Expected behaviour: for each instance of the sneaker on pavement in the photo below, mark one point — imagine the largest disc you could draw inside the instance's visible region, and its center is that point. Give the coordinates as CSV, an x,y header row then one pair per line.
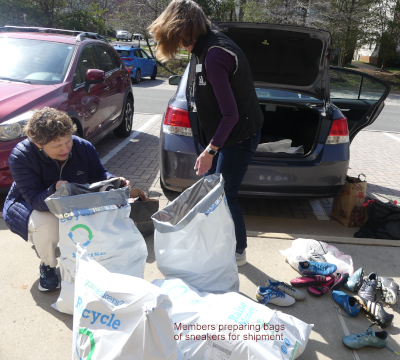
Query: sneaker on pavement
x,y
369,338
374,311
390,290
272,295
354,282
339,279
48,278
287,289
314,268
309,280
368,287
347,302
316,257
241,258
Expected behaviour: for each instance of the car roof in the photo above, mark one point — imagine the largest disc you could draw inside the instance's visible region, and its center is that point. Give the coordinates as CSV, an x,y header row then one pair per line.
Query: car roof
x,y
61,38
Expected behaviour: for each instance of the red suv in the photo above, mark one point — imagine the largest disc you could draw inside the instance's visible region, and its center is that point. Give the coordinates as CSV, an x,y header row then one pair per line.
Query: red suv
x,y
80,74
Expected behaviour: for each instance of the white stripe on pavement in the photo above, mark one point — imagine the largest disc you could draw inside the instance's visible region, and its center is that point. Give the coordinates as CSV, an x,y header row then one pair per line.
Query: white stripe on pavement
x,y
121,145
392,136
318,209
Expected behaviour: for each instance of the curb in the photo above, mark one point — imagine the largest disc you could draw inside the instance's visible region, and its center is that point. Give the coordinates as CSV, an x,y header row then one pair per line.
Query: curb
x,y
327,239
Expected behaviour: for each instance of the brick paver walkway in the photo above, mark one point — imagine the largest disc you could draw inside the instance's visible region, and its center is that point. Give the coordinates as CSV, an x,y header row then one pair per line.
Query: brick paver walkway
x,y
373,153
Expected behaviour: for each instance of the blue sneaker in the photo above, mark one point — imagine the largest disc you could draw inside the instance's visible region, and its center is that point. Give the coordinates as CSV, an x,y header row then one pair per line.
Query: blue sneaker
x,y
354,282
349,303
273,295
48,278
314,268
369,338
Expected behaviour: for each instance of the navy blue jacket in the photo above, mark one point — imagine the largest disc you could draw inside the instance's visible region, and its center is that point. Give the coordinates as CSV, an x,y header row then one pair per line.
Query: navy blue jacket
x,y
35,176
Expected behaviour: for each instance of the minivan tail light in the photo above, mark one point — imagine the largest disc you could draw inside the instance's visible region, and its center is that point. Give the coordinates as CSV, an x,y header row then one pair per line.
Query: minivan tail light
x,y
176,121
339,133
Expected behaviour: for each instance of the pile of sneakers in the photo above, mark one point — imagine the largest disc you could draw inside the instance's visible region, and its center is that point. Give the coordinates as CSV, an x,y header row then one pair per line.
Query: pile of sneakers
x,y
278,293
366,288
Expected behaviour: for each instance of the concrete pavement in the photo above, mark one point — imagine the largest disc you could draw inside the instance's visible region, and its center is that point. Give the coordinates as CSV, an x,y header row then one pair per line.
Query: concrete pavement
x,y
31,329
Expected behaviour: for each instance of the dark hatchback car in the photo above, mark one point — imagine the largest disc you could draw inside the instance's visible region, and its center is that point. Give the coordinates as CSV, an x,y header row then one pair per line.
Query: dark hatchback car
x,y
80,74
318,107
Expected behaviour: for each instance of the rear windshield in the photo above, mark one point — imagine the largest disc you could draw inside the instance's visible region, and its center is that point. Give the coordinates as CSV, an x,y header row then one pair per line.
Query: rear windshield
x,y
281,95
34,61
124,53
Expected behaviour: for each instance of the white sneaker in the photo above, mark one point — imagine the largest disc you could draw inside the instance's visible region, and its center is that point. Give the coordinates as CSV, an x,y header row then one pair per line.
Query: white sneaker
x,y
287,289
241,258
316,257
272,295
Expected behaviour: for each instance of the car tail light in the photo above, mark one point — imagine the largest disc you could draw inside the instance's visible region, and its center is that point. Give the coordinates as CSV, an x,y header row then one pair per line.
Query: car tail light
x,y
127,59
176,121
339,133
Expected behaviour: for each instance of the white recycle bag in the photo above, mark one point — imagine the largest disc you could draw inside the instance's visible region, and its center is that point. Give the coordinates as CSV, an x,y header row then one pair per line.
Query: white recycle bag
x,y
231,326
119,317
302,249
194,238
100,222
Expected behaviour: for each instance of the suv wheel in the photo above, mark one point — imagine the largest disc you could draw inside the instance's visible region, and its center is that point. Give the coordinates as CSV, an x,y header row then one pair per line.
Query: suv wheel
x,y
125,128
138,76
153,77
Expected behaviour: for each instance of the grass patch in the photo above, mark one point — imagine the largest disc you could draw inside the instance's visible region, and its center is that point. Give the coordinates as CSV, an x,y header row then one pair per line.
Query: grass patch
x,y
350,66
173,67
391,77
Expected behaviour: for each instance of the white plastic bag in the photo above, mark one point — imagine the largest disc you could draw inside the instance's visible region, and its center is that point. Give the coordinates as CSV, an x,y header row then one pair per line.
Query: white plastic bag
x,y
106,231
194,238
231,326
119,317
302,248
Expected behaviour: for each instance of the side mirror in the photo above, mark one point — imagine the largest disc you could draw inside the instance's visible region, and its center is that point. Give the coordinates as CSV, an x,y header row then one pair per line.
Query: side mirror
x,y
174,79
94,76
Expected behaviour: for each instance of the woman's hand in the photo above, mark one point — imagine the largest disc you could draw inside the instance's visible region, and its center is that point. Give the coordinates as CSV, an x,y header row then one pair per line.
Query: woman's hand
x,y
203,163
58,184
124,182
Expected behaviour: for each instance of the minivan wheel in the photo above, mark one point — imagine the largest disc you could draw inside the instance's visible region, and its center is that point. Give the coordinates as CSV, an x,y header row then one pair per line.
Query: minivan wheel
x,y
125,128
138,76
153,77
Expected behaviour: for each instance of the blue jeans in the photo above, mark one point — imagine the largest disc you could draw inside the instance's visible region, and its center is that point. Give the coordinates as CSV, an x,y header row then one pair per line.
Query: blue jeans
x,y
232,163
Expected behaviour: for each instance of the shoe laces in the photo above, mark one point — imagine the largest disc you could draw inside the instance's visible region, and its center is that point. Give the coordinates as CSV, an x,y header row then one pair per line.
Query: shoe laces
x,y
274,291
368,333
287,286
366,283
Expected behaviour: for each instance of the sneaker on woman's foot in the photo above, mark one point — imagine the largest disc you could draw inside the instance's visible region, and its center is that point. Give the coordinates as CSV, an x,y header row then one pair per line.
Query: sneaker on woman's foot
x,y
48,278
272,295
241,258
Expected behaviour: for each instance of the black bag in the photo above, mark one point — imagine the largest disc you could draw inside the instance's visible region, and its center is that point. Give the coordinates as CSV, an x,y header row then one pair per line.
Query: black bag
x,y
141,212
383,221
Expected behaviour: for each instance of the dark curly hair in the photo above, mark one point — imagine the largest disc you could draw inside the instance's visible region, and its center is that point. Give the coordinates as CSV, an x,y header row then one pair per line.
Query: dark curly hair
x,y
49,124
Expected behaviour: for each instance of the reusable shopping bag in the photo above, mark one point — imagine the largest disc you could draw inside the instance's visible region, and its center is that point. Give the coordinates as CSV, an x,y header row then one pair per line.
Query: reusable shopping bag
x,y
100,222
347,206
231,326
383,221
194,238
303,249
119,316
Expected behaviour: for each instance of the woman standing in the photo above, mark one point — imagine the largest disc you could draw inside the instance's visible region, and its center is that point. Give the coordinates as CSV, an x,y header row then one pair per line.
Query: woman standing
x,y
50,156
225,99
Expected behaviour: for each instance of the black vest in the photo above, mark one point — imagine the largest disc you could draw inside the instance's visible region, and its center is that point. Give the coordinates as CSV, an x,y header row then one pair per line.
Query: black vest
x,y
209,114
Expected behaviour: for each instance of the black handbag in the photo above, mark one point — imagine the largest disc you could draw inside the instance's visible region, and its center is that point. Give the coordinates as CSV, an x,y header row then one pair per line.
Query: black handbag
x,y
383,221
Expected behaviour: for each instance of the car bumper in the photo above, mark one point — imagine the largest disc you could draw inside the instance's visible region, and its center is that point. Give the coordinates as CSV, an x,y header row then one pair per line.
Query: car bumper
x,y
322,176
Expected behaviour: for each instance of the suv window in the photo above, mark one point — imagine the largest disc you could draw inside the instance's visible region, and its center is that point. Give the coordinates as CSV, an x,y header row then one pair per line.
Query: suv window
x,y
88,60
138,53
108,61
144,55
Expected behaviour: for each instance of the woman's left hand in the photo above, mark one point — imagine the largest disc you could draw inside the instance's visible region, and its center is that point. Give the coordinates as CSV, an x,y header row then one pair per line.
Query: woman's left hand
x,y
123,180
203,163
